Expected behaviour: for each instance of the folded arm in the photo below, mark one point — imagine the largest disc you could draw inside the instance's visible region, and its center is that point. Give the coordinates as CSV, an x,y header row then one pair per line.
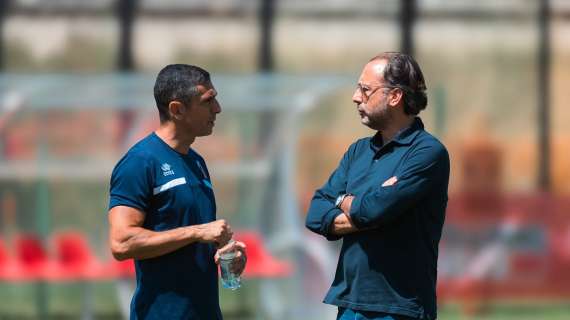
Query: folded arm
x,y
425,169
324,217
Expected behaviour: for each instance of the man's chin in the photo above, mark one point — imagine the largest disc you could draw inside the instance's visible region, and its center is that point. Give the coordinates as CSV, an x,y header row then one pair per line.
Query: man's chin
x,y
369,124
206,133
366,122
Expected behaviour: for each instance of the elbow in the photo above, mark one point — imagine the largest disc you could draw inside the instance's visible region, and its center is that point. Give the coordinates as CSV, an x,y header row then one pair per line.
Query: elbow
x,y
120,257
307,223
312,224
311,228
120,251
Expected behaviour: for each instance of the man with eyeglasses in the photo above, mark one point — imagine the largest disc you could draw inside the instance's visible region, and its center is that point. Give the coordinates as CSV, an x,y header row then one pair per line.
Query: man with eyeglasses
x,y
386,200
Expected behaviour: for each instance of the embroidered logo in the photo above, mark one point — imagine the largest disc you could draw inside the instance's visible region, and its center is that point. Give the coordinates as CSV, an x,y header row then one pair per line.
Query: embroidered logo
x,y
166,169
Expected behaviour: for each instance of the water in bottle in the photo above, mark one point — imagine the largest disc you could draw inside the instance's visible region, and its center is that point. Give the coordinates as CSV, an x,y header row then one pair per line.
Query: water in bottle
x,y
230,280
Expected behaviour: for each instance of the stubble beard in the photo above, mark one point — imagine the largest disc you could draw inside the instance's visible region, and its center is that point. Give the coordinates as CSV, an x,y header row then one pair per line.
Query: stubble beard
x,y
379,120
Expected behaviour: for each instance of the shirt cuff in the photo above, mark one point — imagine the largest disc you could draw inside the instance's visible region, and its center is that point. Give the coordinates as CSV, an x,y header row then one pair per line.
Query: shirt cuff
x,y
328,222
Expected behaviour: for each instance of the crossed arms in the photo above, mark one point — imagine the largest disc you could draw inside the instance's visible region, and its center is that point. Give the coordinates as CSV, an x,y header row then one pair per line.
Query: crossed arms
x,y
426,169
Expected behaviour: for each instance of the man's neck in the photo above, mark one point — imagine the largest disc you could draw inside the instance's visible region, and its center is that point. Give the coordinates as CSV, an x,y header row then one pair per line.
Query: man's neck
x,y
174,137
395,127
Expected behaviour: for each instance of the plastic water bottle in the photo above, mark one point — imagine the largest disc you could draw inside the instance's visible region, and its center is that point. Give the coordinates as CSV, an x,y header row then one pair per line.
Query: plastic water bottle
x,y
230,280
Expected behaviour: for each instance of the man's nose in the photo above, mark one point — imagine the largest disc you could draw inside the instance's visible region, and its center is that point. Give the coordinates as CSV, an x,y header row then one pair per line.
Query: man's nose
x,y
357,97
217,107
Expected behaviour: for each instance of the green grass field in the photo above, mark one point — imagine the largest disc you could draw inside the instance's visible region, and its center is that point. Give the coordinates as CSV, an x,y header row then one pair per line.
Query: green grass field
x,y
65,301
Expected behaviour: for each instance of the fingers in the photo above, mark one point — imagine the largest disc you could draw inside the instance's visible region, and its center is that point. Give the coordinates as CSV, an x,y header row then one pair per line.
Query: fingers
x,y
240,248
228,247
239,265
241,258
237,246
223,240
227,232
346,204
232,246
240,245
223,232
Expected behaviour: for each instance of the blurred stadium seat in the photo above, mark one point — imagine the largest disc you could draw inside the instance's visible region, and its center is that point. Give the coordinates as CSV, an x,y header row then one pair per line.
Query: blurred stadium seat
x,y
260,263
78,261
72,260
10,268
34,259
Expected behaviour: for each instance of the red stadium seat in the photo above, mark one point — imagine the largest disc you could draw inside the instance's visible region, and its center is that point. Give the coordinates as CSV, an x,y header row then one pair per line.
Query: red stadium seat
x,y
74,260
77,260
260,263
34,260
123,269
10,269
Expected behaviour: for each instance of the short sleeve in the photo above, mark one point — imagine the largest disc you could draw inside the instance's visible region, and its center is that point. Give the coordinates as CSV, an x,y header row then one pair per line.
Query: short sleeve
x,y
131,183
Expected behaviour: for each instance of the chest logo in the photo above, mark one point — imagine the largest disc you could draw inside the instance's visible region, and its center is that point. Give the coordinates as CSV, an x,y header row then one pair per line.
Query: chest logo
x,y
166,169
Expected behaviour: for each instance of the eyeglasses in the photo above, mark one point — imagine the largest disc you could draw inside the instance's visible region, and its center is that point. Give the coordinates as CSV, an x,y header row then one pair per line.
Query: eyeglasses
x,y
367,91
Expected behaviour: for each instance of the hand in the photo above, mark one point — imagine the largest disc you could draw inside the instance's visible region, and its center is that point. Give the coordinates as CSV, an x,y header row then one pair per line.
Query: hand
x,y
218,232
241,258
346,204
343,225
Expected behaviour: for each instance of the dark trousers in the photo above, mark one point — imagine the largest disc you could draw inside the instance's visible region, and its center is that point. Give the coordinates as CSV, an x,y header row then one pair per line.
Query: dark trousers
x,y
350,314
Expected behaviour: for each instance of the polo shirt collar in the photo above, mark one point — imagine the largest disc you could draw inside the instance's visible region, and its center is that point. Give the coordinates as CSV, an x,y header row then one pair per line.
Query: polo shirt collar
x,y
404,137
407,136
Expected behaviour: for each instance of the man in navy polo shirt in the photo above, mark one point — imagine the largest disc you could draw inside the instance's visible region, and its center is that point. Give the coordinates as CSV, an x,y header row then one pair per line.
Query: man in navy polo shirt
x,y
162,211
386,200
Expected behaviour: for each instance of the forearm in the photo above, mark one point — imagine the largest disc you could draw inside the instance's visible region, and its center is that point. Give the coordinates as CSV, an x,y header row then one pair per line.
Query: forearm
x,y
321,215
425,174
140,243
322,210
381,206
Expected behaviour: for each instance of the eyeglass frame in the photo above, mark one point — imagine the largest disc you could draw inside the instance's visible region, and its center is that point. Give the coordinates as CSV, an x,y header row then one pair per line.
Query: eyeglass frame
x,y
373,89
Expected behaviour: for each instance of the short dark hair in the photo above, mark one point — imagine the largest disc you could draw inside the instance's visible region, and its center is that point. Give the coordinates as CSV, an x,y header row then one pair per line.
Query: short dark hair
x,y
403,72
177,82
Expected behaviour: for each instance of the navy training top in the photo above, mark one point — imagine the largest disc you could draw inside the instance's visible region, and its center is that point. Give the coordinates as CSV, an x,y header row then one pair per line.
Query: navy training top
x,y
391,266
173,190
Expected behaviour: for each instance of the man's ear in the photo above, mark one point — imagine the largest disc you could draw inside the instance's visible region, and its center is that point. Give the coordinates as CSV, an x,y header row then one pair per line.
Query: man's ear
x,y
395,97
176,109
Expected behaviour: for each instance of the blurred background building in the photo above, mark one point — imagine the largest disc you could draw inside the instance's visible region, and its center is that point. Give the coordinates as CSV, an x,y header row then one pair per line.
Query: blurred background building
x,y
76,80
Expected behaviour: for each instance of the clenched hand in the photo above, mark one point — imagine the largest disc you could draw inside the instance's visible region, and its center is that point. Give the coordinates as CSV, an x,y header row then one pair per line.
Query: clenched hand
x,y
218,232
